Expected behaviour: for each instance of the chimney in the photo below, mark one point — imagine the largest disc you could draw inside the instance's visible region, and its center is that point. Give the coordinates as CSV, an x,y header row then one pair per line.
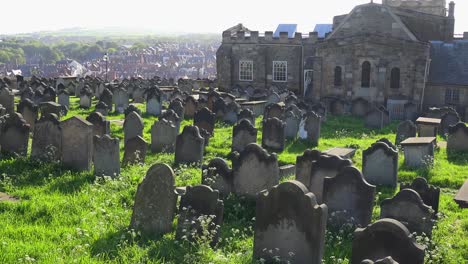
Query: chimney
x,y
451,12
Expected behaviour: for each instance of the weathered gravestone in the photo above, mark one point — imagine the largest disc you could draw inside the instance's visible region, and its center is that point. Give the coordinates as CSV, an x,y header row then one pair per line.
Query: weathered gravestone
x,y
230,116
273,110
133,126
246,114
359,107
7,99
191,106
121,100
337,107
243,134
101,126
29,111
380,165
273,137
77,143
386,237
155,202
292,123
14,135
273,98
293,108
178,107
321,110
309,127
349,198
86,98
448,119
163,136
205,119
219,108
52,108
289,225
47,139
107,97
106,156
457,137
377,118
218,176
134,151
200,214
429,194
132,108
254,170
408,208
312,168
189,146
138,95
170,115
153,102
102,108
405,130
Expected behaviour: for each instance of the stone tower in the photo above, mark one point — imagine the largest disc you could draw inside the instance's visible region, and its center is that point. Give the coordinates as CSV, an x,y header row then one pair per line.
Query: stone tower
x,y
435,7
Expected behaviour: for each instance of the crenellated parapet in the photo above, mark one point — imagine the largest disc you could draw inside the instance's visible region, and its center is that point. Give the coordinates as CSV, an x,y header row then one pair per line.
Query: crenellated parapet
x,y
254,37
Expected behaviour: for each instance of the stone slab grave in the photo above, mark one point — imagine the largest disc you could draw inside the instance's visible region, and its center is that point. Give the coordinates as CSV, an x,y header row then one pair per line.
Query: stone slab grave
x,y
254,170
350,199
458,137
418,151
383,238
155,202
345,153
462,196
200,214
429,194
427,127
289,219
218,176
380,164
257,107
408,208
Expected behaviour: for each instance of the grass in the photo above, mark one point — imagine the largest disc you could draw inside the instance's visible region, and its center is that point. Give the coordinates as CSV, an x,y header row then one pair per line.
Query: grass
x,y
69,217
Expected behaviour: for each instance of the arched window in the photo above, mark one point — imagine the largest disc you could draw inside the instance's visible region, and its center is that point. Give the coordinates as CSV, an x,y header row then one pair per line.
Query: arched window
x,y
395,78
338,81
366,71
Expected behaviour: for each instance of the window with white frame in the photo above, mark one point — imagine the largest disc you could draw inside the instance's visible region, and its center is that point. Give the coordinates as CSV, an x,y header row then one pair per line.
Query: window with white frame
x,y
246,70
280,71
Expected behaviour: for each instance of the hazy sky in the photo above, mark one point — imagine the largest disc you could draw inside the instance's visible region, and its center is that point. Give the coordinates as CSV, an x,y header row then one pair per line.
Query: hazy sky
x,y
181,15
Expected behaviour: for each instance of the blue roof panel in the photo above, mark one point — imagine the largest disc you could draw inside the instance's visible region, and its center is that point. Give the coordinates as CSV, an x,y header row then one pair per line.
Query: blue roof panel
x,y
290,28
323,29
449,62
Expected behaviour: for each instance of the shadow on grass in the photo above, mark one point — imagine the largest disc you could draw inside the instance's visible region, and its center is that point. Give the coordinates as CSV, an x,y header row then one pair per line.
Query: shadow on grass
x,y
26,172
72,183
457,157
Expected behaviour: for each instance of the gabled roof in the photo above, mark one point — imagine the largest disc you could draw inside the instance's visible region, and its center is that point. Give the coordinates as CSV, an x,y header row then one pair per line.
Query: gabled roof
x,y
290,28
449,62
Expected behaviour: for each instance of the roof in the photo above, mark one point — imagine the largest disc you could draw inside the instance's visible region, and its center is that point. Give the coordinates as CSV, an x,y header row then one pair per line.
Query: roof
x,y
290,28
449,62
323,29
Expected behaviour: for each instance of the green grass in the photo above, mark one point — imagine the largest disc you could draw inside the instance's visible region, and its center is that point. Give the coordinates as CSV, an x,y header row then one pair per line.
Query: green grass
x,y
67,217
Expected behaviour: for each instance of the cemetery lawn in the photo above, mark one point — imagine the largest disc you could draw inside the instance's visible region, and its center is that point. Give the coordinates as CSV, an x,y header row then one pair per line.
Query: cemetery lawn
x,y
67,217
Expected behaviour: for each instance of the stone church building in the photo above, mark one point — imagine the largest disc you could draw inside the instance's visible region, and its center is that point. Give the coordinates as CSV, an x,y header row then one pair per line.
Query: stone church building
x,y
398,53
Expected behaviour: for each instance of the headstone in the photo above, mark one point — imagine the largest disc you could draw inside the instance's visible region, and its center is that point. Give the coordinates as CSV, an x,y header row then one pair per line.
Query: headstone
x,y
337,107
289,225
52,108
138,95
47,139
321,110
77,143
200,214
121,100
189,146
309,128
106,156
243,134
232,109
377,118
155,202
448,119
134,151
359,107
153,102
205,119
461,198
14,135
246,114
219,108
386,237
218,176
380,165
273,110
178,108
29,111
102,108
405,130
457,138
254,170
163,136
86,98
132,108
107,97
133,126
349,198
273,137
191,106
170,115
100,125
7,99
429,194
292,123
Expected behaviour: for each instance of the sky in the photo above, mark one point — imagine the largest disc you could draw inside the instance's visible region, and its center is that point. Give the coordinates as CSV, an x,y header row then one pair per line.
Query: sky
x,y
181,16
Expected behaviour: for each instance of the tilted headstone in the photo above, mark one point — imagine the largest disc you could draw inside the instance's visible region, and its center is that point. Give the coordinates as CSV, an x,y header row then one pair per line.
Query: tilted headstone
x,y
101,126
246,114
380,165
349,197
273,137
243,134
29,111
254,170
323,166
386,237
429,194
457,137
47,139
134,151
218,176
408,208
106,156
155,202
292,123
289,225
133,126
200,214
77,143
14,135
163,136
205,119
309,127
189,146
